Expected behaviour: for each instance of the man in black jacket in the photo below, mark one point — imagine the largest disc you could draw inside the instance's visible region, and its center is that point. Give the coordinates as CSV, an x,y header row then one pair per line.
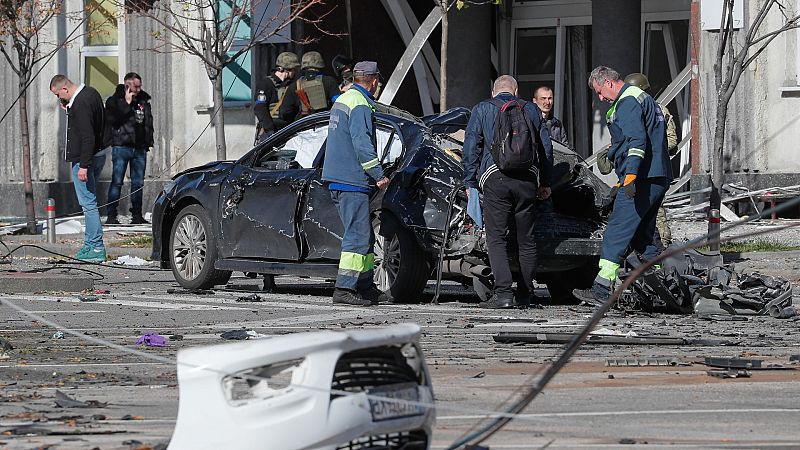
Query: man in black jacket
x,y
84,108
129,119
271,94
509,199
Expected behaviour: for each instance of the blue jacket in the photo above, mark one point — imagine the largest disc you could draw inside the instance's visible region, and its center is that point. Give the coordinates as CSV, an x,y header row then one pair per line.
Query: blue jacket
x,y
350,155
478,138
638,136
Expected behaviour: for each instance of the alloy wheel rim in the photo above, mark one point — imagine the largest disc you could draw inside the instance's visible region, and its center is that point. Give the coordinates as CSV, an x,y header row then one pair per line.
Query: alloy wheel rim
x,y
387,261
189,247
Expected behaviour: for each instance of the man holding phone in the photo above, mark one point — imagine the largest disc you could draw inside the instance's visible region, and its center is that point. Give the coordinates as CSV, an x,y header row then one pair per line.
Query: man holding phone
x,y
129,132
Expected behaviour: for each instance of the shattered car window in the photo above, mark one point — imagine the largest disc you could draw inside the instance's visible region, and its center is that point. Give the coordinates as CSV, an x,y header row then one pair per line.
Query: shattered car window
x,y
305,145
382,136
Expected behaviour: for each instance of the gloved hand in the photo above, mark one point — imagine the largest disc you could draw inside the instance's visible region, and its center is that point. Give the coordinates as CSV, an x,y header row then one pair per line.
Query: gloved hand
x,y
629,185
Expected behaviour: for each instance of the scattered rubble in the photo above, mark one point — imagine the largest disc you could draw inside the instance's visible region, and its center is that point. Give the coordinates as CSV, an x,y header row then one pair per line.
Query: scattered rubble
x,y
65,401
152,340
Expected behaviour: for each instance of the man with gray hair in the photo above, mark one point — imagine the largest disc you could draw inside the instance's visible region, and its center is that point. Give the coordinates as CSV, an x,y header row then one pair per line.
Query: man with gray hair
x,y
639,155
510,196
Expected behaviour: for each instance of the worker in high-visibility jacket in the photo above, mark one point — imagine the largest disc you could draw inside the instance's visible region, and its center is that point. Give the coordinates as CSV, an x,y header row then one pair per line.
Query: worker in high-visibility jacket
x,y
352,170
639,153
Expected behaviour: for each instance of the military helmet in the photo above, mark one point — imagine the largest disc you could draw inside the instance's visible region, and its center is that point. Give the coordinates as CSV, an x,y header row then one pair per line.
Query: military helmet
x,y
287,60
313,60
639,80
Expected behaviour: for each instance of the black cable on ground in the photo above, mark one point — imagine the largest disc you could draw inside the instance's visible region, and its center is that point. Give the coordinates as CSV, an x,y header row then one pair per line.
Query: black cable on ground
x,y
497,423
73,260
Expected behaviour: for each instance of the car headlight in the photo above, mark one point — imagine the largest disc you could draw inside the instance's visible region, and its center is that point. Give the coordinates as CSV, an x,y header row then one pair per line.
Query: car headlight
x,y
262,382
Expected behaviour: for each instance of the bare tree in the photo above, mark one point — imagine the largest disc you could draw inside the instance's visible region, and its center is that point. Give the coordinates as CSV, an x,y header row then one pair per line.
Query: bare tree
x,y
208,30
23,29
732,58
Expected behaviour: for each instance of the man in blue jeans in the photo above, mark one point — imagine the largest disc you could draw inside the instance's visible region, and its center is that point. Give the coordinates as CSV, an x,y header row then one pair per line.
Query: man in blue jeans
x,y
351,168
129,119
84,108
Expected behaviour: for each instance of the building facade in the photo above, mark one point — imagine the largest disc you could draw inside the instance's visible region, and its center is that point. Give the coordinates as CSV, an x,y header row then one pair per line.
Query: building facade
x,y
541,42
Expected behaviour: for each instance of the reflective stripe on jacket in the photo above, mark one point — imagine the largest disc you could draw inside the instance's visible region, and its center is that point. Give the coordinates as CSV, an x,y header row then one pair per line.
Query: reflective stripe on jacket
x,y
350,152
638,135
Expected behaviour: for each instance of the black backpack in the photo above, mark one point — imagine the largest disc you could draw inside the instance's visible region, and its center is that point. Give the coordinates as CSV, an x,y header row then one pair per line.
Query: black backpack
x,y
514,147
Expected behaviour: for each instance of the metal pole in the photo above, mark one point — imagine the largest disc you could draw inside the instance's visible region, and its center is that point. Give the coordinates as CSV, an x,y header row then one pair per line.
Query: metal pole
x,y
713,229
51,221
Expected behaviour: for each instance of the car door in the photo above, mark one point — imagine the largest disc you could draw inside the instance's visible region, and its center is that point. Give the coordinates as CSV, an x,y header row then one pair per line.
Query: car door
x,y
321,226
260,200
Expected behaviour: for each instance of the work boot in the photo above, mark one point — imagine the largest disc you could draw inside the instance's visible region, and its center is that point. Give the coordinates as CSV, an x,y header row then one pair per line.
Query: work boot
x,y
112,220
375,295
348,297
498,301
594,296
138,220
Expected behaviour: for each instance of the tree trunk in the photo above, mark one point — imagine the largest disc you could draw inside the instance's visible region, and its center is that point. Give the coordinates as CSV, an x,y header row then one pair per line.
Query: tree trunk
x,y
717,172
219,118
443,65
27,184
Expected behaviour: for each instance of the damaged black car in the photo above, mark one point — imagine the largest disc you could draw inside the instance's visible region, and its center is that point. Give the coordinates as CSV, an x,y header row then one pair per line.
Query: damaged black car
x,y
269,213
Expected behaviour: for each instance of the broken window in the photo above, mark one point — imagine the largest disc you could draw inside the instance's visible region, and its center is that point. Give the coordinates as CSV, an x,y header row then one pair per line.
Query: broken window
x,y
298,152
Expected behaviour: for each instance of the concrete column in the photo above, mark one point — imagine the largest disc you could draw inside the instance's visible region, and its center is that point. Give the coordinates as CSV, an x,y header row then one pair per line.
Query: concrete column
x,y
469,65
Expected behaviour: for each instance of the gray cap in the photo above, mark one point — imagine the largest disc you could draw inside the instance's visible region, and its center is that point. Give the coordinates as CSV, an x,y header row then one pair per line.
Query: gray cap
x,y
366,68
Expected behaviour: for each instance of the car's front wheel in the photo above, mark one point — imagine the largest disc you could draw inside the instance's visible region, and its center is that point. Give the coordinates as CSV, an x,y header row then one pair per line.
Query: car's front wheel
x,y
401,268
193,250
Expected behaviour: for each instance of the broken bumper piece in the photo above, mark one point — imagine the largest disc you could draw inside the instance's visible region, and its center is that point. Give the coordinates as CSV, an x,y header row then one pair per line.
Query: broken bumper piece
x,y
320,390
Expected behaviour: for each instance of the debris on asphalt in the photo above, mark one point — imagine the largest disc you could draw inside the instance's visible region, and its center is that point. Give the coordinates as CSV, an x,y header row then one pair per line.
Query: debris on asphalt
x,y
58,335
730,373
5,347
785,312
695,282
241,335
175,337
151,340
733,363
563,338
255,298
88,298
128,260
644,362
190,291
65,401
480,374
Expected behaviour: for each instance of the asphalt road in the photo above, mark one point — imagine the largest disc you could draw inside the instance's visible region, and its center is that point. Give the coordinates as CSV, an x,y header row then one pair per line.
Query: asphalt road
x,y
588,405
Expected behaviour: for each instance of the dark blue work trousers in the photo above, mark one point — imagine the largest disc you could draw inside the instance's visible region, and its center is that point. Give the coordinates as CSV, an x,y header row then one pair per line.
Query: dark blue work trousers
x,y
357,260
633,222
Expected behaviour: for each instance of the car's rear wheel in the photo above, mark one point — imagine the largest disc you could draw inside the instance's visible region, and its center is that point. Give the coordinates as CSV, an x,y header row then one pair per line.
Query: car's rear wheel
x,y
401,268
193,250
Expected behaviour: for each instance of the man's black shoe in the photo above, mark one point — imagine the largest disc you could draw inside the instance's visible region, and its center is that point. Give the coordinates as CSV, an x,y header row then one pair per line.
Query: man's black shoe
x,y
498,301
112,220
375,295
137,220
595,296
346,297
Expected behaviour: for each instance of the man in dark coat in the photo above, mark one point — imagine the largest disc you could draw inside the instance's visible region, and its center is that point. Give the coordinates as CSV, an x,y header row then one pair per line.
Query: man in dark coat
x,y
84,108
129,119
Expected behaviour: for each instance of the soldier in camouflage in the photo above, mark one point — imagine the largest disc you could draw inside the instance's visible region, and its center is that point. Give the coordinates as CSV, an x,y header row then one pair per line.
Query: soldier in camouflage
x,y
271,93
312,92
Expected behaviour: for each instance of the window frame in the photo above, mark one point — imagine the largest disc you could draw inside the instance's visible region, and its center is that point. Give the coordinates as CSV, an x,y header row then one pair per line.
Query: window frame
x,y
91,51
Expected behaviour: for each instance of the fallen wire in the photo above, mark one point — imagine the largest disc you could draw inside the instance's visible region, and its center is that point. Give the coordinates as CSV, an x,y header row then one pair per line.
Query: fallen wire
x,y
73,260
501,418
533,391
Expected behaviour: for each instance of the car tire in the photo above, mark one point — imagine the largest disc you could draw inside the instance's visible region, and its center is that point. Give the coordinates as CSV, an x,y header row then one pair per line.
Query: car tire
x,y
404,273
193,250
561,284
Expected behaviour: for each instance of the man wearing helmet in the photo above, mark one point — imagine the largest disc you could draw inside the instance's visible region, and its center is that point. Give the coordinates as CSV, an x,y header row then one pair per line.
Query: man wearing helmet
x,y
312,92
272,94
